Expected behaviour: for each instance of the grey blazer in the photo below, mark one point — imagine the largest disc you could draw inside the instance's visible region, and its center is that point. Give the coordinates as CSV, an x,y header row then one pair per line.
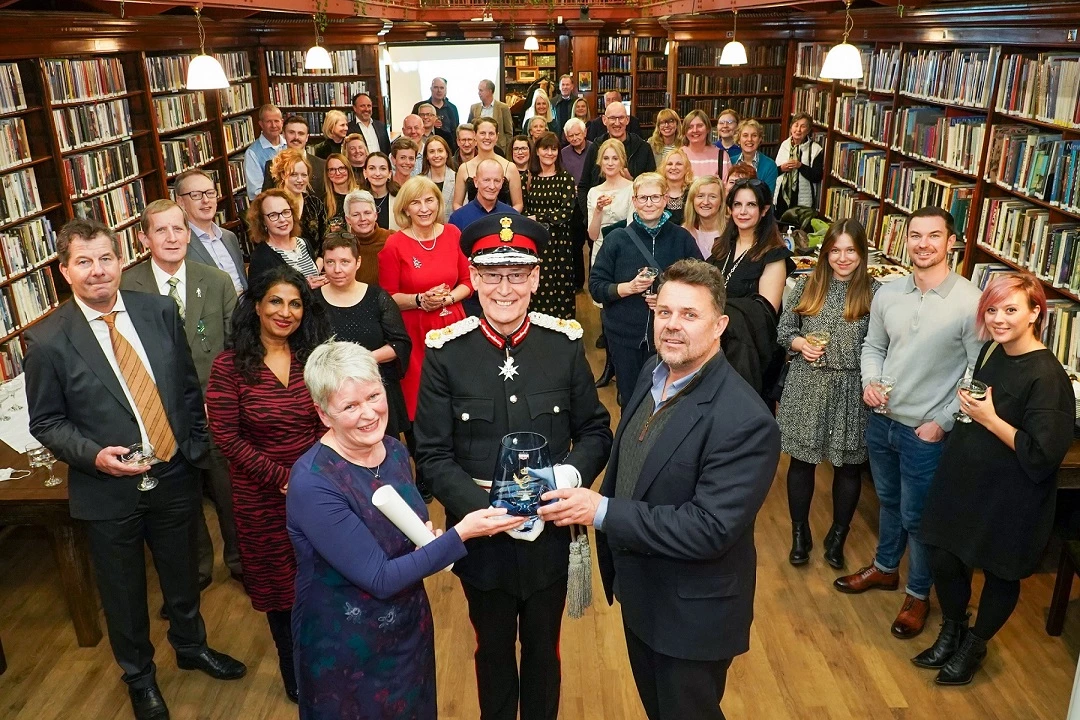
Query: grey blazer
x,y
198,253
209,304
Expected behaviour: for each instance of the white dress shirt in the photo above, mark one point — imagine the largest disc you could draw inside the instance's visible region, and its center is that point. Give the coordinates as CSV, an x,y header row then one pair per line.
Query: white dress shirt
x,y
125,327
161,279
370,136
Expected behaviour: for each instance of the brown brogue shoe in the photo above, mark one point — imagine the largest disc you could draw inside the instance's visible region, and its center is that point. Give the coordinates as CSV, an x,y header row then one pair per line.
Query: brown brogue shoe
x,y
912,617
867,578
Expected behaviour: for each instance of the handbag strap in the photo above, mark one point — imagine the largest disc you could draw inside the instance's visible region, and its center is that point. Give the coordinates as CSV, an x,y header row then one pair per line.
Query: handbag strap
x,y
989,352
634,230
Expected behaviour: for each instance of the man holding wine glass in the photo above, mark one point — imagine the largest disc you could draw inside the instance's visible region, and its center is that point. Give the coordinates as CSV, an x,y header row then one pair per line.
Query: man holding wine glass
x,y
105,372
921,336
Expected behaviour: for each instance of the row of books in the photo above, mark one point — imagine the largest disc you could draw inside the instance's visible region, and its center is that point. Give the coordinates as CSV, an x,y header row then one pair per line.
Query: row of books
x,y
622,83
958,77
236,98
131,248
168,73
614,44
11,359
911,186
79,126
237,179
1026,234
698,84
930,134
862,166
843,202
614,63
893,241
27,299
646,118
316,94
14,145
236,64
1045,87
12,97
813,100
651,82
20,196
239,133
756,55
115,208
748,107
93,78
651,44
91,171
809,57
27,245
1030,161
291,62
881,70
654,63
653,99
866,119
187,151
178,111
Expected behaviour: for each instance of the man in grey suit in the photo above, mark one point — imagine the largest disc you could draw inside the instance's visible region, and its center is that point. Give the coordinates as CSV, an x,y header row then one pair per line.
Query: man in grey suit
x,y
208,243
500,111
206,300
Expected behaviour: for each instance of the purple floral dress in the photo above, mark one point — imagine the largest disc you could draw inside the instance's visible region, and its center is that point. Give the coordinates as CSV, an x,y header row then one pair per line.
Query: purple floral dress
x,y
363,638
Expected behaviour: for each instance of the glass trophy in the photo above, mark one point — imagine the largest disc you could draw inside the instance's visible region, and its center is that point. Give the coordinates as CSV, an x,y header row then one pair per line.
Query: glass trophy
x,y
523,473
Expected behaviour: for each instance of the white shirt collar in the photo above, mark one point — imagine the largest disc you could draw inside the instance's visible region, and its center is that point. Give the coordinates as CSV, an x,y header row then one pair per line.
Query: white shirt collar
x,y
91,314
161,277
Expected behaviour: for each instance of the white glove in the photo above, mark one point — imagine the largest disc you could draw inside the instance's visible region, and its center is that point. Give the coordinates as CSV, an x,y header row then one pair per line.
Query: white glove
x,y
566,476
537,528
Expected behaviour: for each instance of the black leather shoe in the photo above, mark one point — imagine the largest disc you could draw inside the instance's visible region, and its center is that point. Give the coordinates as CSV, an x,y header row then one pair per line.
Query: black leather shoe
x,y
148,704
834,545
964,662
288,677
607,376
947,643
801,543
215,664
601,341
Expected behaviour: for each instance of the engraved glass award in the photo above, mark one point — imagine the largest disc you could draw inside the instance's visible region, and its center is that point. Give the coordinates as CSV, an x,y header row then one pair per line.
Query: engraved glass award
x,y
522,474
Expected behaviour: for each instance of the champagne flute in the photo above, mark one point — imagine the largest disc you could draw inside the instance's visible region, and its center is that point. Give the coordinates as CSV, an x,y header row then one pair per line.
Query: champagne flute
x,y
142,454
650,273
40,456
819,339
884,384
974,388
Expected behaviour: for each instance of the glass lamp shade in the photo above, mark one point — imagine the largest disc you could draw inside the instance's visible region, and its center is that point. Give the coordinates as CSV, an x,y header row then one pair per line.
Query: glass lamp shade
x,y
317,59
523,473
531,43
842,63
734,54
205,73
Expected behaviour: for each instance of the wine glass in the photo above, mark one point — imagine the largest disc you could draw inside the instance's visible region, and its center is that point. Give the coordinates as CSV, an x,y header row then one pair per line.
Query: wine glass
x,y
40,456
974,388
819,339
884,384
142,454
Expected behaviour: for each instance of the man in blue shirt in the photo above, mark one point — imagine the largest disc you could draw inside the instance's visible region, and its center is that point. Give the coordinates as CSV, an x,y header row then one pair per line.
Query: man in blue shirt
x,y
489,181
266,146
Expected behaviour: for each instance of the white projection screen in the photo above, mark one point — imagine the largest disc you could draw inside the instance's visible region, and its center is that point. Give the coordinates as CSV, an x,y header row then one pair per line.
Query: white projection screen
x,y
463,64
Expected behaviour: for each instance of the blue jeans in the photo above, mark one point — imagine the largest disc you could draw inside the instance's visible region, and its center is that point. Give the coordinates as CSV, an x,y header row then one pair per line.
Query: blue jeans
x,y
903,466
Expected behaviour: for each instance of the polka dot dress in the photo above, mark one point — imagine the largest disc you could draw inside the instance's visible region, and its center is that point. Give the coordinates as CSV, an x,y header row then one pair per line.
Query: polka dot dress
x,y
551,200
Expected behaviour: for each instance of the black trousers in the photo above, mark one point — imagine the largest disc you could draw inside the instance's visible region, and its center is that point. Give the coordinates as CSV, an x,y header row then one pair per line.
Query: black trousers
x,y
579,238
164,520
952,581
217,486
628,362
500,619
674,689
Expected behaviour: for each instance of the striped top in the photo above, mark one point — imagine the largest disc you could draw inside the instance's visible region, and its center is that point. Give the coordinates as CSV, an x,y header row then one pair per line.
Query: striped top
x,y
299,258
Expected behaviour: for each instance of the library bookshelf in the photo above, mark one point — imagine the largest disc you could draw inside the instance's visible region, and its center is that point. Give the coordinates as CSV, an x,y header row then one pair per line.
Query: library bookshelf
x,y
615,68
521,67
650,81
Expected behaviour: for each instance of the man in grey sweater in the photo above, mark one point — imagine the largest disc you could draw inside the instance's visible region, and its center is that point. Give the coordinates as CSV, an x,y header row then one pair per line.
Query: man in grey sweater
x,y
922,333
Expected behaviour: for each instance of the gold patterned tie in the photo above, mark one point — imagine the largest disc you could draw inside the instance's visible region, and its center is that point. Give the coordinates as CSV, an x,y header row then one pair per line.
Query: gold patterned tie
x,y
176,296
144,391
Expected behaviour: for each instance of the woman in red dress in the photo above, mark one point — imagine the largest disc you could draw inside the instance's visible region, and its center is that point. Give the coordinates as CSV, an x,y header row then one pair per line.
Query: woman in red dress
x,y
263,419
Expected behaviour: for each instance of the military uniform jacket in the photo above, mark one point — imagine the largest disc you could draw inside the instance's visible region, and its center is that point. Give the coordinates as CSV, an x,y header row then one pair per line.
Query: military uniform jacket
x,y
466,406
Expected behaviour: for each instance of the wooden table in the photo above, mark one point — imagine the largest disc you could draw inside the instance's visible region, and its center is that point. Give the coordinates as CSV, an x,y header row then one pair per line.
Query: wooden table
x,y
1069,474
28,502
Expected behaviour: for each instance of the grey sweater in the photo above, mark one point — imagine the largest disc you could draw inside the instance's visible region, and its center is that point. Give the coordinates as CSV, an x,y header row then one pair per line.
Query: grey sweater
x,y
925,341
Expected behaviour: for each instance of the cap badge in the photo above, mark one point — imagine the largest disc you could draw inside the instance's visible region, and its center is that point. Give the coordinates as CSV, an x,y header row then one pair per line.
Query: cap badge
x,y
506,234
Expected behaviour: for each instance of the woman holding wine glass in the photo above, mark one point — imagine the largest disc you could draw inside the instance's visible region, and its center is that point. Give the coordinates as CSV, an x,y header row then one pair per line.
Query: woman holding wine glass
x,y
991,503
822,416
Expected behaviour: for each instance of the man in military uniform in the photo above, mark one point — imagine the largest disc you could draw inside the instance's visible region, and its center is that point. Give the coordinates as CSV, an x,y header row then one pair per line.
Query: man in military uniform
x,y
509,371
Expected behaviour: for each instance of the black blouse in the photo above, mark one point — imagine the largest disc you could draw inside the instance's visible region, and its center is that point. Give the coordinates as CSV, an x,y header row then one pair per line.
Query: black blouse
x,y
744,274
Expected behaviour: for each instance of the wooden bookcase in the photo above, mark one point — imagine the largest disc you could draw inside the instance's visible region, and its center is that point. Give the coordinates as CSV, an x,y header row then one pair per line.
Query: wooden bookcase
x,y
615,68
650,81
521,67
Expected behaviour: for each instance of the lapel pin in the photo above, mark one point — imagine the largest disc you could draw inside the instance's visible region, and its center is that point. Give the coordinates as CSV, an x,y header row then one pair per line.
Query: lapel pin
x,y
198,292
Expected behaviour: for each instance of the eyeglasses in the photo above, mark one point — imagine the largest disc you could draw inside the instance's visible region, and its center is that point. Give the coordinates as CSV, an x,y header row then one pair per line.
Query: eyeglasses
x,y
726,122
649,199
197,195
494,278
669,121
338,169
616,118
275,216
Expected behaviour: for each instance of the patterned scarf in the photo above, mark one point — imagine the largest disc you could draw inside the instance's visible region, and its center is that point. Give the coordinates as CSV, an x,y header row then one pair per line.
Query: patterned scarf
x,y
653,231
789,184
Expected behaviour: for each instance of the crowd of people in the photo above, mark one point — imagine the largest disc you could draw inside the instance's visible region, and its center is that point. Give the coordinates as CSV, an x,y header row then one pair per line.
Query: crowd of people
x,y
410,302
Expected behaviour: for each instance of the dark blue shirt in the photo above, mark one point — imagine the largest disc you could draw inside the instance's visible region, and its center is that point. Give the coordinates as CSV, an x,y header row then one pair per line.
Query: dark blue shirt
x,y
466,215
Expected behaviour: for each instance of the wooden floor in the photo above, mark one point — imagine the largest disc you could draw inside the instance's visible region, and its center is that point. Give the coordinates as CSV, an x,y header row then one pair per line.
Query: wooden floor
x,y
814,652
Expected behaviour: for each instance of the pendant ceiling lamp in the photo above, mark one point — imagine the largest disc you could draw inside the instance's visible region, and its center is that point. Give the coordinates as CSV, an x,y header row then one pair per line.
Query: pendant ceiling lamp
x,y
317,58
531,43
843,61
204,72
734,53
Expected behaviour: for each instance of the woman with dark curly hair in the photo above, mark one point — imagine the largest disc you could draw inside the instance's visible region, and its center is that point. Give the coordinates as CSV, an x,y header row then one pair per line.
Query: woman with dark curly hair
x,y
263,418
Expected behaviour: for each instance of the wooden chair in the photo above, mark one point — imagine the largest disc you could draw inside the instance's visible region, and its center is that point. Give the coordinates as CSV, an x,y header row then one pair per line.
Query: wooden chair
x,y
1068,566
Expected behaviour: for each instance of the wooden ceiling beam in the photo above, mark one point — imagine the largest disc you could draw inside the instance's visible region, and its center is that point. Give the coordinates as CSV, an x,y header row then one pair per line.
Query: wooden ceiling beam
x,y
130,9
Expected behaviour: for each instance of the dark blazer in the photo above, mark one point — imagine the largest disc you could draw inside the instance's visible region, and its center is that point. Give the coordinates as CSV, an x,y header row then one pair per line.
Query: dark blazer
x,y
198,253
639,159
380,132
318,170
263,258
209,301
681,551
448,113
77,405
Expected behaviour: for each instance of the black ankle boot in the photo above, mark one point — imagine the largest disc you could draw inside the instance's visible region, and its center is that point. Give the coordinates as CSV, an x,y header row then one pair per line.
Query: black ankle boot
x,y
288,677
609,373
948,641
801,543
965,661
834,545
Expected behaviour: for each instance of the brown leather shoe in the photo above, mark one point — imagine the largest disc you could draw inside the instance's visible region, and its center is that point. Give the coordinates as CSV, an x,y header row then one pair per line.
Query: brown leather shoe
x,y
867,578
912,617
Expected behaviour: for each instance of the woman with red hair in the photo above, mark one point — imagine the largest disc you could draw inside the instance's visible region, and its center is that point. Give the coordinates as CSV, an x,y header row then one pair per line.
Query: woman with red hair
x,y
991,504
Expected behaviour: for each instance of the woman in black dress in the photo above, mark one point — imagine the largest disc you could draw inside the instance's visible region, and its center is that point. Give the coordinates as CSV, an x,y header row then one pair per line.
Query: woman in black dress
x,y
991,505
549,199
367,315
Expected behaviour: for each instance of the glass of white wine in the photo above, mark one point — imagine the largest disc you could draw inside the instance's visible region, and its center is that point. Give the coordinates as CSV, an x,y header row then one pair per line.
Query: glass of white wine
x,y
142,454
819,339
884,384
42,457
977,391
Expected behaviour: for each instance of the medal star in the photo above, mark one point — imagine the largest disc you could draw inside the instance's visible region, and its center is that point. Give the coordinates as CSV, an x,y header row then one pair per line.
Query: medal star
x,y
508,370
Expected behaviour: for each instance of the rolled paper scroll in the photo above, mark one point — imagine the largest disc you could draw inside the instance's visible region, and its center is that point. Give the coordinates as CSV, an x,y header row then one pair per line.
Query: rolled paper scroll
x,y
405,519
